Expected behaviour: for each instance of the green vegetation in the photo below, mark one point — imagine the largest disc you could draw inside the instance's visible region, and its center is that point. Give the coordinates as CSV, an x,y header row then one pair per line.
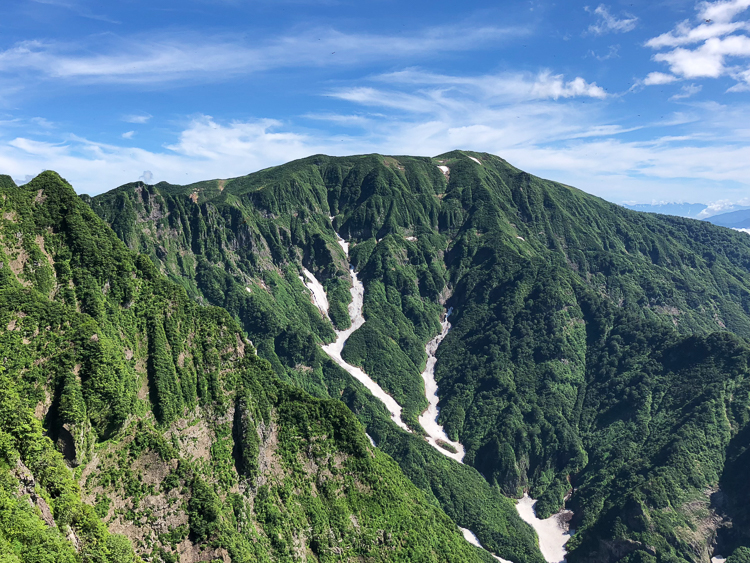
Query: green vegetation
x,y
594,350
163,422
30,467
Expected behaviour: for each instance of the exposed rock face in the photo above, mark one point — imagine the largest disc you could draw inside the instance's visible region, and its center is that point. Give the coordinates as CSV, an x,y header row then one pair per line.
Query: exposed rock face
x,y
27,487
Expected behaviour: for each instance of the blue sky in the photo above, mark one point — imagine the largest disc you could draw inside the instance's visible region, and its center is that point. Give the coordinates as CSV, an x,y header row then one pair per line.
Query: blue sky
x,y
633,101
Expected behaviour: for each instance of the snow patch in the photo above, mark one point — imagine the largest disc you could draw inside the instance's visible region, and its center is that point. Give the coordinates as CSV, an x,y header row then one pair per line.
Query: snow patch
x,y
553,532
475,160
335,348
521,238
318,292
249,290
445,170
428,419
342,243
472,539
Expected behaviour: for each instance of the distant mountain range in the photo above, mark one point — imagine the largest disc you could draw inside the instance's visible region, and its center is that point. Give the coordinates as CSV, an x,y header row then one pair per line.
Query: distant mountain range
x,y
726,217
734,220
690,210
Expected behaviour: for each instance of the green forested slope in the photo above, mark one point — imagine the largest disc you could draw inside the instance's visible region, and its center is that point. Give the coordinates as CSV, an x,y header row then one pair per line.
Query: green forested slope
x,y
125,405
176,232
584,353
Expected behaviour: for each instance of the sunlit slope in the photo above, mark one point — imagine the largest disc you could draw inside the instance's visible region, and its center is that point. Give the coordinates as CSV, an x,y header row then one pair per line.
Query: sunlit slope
x,y
180,437
570,322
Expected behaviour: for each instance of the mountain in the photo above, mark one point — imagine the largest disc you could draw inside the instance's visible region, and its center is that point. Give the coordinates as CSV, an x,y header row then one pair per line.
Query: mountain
x,y
734,219
591,356
137,423
691,210
597,357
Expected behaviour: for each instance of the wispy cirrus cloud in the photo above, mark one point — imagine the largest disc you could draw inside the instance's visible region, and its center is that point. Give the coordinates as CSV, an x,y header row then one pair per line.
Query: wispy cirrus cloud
x,y
608,23
687,91
560,139
78,9
428,114
169,57
507,86
139,118
417,112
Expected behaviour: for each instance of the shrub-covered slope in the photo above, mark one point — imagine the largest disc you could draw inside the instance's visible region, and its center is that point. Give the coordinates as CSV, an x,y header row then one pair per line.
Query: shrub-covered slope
x,y
584,356
130,412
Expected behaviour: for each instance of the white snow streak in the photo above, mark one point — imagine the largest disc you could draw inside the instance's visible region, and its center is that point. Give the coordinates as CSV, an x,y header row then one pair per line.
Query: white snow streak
x,y
428,420
335,348
318,292
472,539
553,531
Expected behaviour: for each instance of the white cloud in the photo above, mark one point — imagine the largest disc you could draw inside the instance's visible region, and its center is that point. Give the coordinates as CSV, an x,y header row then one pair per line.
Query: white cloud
x,y
395,100
421,113
609,23
687,91
506,86
612,53
147,177
205,139
722,206
708,60
548,86
743,81
169,57
710,48
203,149
724,11
654,78
562,142
565,140
139,118
42,122
128,135
39,148
543,123
684,34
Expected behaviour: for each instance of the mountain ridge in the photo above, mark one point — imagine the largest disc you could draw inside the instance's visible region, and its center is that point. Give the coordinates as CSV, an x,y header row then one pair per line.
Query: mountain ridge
x,y
543,279
183,438
598,357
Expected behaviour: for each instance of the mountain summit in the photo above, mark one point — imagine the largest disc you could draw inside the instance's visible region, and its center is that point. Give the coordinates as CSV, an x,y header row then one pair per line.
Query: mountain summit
x,y
179,346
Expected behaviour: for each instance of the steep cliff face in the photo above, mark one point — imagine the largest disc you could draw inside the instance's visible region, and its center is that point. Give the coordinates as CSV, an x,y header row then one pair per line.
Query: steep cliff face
x,y
594,350
130,412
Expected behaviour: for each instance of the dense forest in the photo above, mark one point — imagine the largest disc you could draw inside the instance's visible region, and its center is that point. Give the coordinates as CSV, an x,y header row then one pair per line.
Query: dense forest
x,y
598,360
137,423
